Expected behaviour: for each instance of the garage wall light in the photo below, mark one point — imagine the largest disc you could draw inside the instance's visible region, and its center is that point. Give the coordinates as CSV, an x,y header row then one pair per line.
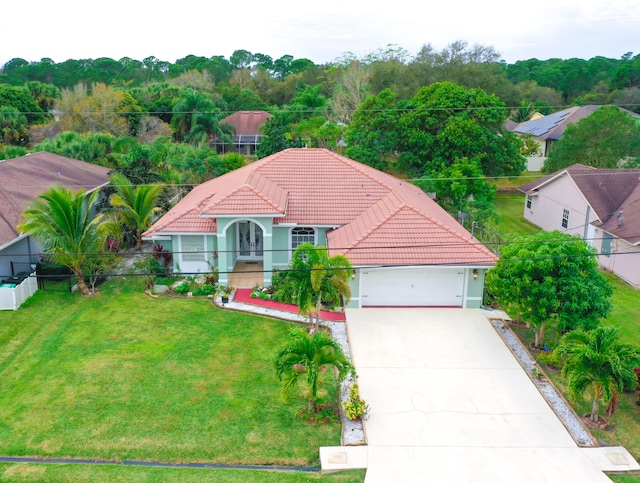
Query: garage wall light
x,y
475,273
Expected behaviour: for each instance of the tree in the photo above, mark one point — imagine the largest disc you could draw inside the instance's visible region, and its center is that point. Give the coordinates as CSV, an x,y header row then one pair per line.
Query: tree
x,y
14,129
597,362
314,278
552,278
195,117
605,139
136,206
440,124
306,358
275,137
63,224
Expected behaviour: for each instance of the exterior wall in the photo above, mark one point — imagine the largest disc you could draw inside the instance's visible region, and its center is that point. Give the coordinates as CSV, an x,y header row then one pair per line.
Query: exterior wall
x,y
535,163
623,260
474,289
18,257
281,254
548,205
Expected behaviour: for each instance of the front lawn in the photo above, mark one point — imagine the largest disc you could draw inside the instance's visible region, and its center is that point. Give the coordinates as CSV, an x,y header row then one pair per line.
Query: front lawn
x,y
121,376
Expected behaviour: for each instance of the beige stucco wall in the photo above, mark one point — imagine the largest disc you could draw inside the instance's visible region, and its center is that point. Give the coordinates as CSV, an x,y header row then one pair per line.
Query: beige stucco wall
x,y
548,205
624,260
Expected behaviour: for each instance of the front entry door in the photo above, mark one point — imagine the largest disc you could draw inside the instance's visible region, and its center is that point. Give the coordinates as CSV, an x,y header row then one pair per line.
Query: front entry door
x,y
249,241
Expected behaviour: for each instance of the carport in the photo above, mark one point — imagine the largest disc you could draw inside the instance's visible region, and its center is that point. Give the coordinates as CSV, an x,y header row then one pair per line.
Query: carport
x,y
450,403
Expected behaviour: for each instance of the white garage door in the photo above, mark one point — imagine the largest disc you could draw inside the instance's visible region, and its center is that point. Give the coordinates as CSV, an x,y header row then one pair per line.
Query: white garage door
x,y
412,287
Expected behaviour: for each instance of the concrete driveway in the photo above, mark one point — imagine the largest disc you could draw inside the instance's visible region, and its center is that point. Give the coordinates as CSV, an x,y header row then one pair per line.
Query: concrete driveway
x,y
450,403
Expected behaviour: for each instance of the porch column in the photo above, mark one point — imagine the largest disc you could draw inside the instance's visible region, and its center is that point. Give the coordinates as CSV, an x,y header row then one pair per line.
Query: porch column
x,y
267,257
224,260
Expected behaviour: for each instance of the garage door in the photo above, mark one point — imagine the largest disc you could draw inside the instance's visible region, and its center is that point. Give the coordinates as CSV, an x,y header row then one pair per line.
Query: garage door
x,y
412,287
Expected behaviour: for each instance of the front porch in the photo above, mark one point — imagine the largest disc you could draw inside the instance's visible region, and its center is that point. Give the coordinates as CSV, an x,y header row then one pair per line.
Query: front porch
x,y
247,274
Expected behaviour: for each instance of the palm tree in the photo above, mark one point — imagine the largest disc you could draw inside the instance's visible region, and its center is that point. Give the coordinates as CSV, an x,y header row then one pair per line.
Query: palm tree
x,y
597,362
315,277
63,223
195,117
136,206
306,358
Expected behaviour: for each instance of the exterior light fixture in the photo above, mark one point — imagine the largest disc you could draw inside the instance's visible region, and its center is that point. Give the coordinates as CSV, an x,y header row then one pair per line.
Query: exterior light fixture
x,y
475,273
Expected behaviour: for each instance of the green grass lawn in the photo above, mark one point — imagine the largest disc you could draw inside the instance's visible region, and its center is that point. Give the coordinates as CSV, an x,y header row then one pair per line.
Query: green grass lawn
x,y
121,376
510,208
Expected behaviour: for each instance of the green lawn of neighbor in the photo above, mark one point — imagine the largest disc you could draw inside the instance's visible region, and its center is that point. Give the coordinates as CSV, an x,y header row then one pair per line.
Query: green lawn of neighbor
x,y
121,376
510,208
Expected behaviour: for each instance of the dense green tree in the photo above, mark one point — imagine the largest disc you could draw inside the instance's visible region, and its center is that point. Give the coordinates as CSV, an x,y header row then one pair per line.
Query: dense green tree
x,y
306,358
606,139
372,137
21,99
195,117
551,278
14,128
597,362
275,137
135,206
63,224
45,95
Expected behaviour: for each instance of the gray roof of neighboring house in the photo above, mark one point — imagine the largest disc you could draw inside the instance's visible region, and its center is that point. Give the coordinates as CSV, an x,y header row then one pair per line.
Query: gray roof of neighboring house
x,y
23,179
553,125
608,191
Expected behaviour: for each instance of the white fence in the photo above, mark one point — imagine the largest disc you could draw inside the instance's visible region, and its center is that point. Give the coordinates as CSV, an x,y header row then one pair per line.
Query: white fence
x,y
13,294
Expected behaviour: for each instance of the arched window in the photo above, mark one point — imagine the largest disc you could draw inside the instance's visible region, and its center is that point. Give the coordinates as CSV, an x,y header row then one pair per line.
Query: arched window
x,y
302,234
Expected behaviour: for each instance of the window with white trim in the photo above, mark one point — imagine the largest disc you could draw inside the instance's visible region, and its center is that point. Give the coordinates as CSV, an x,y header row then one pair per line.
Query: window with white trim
x,y
529,200
192,248
565,218
302,234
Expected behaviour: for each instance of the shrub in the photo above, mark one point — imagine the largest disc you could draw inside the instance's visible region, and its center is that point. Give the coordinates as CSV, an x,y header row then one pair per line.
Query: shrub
x,y
550,359
182,289
204,290
318,414
355,407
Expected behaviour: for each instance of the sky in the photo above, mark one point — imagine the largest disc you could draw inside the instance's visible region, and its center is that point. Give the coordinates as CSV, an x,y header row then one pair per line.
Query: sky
x,y
321,31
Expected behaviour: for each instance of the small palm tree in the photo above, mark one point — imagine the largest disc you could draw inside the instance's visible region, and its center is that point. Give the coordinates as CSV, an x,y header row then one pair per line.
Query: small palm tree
x,y
315,277
597,362
63,224
136,206
306,358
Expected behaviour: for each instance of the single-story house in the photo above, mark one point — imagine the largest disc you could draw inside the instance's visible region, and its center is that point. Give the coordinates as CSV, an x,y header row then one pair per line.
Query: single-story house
x,y
600,205
22,180
546,130
247,133
406,249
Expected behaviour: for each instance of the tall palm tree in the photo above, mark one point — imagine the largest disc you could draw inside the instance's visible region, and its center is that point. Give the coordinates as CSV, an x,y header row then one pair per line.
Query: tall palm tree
x,y
597,362
306,358
195,117
136,206
63,224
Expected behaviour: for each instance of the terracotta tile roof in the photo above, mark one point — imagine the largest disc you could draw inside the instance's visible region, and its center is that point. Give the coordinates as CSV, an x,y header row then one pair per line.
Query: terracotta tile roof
x,y
319,187
246,122
23,179
604,189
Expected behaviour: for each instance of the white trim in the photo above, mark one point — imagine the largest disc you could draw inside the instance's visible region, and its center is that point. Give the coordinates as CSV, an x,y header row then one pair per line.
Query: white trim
x,y
236,215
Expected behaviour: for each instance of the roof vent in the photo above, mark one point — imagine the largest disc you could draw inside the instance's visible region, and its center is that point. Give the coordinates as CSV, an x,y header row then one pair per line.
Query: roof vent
x,y
620,218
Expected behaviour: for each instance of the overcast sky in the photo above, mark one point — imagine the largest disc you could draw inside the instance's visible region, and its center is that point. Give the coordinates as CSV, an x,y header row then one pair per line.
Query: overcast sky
x,y
318,30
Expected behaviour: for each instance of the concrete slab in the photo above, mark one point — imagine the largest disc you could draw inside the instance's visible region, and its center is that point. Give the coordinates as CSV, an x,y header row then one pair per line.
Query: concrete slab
x,y
341,458
449,402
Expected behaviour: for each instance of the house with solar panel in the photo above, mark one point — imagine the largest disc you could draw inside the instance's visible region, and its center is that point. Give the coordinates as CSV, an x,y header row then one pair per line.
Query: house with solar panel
x,y
246,128
406,250
546,130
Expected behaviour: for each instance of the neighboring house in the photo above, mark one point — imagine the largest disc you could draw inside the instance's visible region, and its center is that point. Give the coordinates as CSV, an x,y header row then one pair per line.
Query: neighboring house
x,y
21,181
247,135
548,129
600,205
406,249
